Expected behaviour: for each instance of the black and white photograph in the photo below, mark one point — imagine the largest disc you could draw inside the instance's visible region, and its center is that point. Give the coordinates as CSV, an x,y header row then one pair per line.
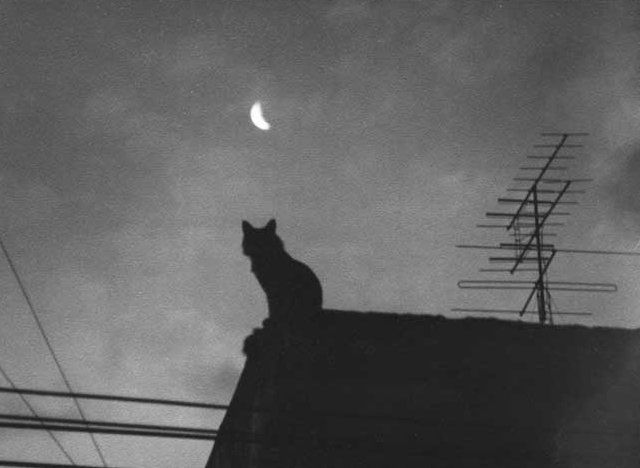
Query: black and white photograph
x,y
320,233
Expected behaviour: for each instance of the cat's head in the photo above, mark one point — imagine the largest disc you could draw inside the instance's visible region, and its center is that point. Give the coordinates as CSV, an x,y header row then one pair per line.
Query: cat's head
x,y
261,242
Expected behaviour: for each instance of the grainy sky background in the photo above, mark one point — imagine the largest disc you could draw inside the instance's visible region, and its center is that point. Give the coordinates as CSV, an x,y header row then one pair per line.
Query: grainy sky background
x,y
128,161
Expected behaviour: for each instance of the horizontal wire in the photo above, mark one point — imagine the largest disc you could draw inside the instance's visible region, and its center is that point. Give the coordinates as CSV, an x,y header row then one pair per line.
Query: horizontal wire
x,y
348,415
26,464
126,399
150,427
33,411
106,430
372,440
48,343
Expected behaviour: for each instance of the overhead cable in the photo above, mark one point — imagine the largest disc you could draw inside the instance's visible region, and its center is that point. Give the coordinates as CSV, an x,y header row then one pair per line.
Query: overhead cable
x,y
121,398
35,414
48,343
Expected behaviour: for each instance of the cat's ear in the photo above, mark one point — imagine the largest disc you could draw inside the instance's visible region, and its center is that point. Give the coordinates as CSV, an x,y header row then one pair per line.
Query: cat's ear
x,y
246,227
271,226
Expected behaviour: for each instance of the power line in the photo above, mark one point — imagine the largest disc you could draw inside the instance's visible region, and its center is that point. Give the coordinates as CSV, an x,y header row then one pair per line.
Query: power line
x,y
115,425
425,419
35,413
109,430
245,409
48,343
126,399
370,442
250,435
25,464
367,443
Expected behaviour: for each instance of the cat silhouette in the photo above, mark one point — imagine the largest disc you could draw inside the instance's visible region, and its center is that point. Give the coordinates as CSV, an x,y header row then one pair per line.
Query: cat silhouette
x,y
291,287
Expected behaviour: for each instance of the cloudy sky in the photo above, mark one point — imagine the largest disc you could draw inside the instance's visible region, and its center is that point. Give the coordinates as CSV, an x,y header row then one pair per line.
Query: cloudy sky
x,y
128,161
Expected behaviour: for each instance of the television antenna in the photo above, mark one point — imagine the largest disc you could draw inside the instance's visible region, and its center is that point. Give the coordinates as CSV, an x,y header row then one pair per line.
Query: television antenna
x,y
527,249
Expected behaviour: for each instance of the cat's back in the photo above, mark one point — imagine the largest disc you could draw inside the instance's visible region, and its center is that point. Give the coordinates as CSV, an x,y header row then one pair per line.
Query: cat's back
x,y
304,280
301,271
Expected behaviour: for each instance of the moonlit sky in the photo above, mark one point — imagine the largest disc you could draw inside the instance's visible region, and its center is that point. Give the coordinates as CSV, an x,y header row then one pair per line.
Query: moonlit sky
x,y
129,161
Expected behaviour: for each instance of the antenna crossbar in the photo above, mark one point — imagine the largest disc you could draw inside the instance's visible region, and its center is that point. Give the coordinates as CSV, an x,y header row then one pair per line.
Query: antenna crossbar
x,y
511,259
544,190
493,214
535,156
549,145
522,284
535,168
519,234
564,133
502,226
507,270
548,180
530,202
609,289
517,246
512,311
579,251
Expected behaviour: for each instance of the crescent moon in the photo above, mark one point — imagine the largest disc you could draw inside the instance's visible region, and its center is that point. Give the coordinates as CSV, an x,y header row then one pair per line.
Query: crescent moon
x,y
257,118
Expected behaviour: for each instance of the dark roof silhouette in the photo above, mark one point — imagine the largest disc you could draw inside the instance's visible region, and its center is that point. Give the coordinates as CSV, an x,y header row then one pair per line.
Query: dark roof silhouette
x,y
349,389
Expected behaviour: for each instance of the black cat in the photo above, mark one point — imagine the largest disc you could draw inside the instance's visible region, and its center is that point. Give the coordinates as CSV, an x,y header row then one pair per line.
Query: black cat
x,y
291,287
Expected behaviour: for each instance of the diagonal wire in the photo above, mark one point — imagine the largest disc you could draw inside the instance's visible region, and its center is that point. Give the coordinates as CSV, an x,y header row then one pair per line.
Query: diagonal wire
x,y
48,343
33,411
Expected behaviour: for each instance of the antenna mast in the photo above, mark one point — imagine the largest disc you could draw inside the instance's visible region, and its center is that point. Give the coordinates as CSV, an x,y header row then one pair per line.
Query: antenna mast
x,y
526,225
